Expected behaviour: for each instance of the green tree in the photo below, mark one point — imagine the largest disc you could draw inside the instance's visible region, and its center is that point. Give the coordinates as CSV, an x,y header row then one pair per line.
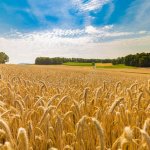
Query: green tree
x,y
3,58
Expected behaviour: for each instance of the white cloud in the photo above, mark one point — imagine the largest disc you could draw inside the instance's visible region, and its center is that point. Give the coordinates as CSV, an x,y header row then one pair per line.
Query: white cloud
x,y
91,30
94,4
90,5
108,27
107,31
142,32
73,43
61,10
118,34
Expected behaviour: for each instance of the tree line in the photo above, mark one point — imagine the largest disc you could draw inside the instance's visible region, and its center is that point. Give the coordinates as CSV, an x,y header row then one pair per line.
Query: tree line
x,y
137,60
61,60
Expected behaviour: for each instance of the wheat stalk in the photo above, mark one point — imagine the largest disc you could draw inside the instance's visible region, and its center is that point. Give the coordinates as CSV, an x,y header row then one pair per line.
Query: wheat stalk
x,y
22,139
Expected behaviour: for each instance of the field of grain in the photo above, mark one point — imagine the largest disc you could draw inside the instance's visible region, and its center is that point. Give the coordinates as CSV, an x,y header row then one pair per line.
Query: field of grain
x,y
103,64
73,108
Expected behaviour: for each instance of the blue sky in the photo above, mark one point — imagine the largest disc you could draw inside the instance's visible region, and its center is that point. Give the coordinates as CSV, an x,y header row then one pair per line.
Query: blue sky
x,y
73,28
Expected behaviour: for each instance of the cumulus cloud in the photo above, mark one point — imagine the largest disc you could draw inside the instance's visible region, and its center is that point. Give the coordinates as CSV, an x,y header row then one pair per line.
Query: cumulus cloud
x,y
91,30
86,43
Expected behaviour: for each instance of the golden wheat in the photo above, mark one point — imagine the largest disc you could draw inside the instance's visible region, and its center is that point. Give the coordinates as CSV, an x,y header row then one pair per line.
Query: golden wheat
x,y
71,108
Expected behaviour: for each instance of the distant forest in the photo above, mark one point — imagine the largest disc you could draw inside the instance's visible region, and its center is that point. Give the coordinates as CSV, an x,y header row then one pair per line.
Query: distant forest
x,y
58,60
137,60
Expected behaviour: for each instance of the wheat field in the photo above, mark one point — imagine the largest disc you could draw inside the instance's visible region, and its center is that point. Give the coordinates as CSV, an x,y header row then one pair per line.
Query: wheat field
x,y
67,108
103,64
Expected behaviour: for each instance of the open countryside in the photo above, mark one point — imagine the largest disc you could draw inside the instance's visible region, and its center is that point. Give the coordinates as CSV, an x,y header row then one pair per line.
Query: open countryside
x,y
74,75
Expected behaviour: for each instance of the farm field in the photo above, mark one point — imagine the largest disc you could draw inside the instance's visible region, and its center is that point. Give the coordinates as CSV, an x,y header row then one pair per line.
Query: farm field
x,y
77,64
74,108
120,66
99,65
